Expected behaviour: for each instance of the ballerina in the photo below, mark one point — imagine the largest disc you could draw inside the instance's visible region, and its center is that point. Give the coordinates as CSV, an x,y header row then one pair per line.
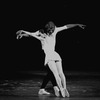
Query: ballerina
x,y
52,58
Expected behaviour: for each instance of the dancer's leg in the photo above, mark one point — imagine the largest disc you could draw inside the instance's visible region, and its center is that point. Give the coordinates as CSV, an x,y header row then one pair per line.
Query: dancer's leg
x,y
44,83
61,74
46,80
53,81
53,68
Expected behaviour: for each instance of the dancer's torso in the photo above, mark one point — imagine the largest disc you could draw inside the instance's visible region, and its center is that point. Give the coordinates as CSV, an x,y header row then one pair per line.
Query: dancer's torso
x,y
48,44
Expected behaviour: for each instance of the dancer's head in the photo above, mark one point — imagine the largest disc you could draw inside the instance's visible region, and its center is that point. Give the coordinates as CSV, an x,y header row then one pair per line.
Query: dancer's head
x,y
50,27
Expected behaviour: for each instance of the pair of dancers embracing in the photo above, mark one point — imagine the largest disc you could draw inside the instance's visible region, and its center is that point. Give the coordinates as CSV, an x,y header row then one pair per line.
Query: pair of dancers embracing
x,y
52,58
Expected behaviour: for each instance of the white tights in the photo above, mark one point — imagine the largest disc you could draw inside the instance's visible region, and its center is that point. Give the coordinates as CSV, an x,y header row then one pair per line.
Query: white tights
x,y
56,68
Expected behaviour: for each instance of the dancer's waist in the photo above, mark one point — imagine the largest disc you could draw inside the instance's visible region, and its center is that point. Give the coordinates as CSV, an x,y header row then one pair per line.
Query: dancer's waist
x,y
50,51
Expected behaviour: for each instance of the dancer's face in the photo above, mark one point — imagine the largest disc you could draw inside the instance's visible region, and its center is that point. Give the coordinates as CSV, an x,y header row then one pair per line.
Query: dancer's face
x,y
50,28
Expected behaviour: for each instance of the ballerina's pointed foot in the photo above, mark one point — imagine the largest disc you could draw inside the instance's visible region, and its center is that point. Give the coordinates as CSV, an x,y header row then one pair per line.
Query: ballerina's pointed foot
x,y
67,93
56,90
63,92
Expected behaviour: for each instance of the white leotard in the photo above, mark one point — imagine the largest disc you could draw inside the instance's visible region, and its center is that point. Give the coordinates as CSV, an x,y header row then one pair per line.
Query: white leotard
x,y
48,45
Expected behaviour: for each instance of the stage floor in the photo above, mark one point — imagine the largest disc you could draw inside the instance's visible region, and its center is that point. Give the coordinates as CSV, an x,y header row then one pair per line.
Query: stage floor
x,y
46,98
81,86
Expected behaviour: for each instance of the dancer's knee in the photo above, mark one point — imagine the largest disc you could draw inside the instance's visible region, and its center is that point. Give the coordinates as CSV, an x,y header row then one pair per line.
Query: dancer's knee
x,y
62,75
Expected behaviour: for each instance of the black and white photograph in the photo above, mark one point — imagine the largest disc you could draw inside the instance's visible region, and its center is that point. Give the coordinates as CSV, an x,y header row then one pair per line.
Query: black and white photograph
x,y
50,50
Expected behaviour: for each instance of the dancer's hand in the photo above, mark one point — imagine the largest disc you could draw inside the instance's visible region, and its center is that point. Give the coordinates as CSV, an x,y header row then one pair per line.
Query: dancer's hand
x,y
20,34
81,26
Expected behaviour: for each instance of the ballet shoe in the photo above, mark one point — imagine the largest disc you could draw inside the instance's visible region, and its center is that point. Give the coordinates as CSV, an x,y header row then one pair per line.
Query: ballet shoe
x,y
56,90
43,92
63,92
66,93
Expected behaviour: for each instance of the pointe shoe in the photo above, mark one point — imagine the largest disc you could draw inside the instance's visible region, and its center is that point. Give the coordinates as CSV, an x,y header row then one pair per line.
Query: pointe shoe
x,y
67,93
56,90
63,92
43,92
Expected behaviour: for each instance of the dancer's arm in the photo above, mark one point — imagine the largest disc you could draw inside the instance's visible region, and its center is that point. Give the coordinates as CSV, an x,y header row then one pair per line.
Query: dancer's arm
x,y
69,26
22,33
74,25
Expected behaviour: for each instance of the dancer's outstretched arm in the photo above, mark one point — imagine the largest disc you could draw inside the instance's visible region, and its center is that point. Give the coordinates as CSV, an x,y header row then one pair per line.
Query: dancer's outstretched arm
x,y
22,33
74,25
69,26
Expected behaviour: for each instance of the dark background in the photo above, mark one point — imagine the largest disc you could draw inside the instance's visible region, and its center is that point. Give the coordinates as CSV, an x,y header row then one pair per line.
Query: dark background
x,y
78,48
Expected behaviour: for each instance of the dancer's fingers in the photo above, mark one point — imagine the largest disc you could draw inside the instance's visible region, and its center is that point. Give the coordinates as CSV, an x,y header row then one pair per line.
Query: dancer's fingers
x,y
19,32
19,36
82,26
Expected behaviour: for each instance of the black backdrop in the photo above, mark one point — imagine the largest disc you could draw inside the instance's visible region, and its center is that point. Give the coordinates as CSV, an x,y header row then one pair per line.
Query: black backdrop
x,y
78,48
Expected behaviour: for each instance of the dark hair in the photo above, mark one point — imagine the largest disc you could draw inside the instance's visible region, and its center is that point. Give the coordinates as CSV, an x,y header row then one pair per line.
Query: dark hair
x,y
50,27
41,30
